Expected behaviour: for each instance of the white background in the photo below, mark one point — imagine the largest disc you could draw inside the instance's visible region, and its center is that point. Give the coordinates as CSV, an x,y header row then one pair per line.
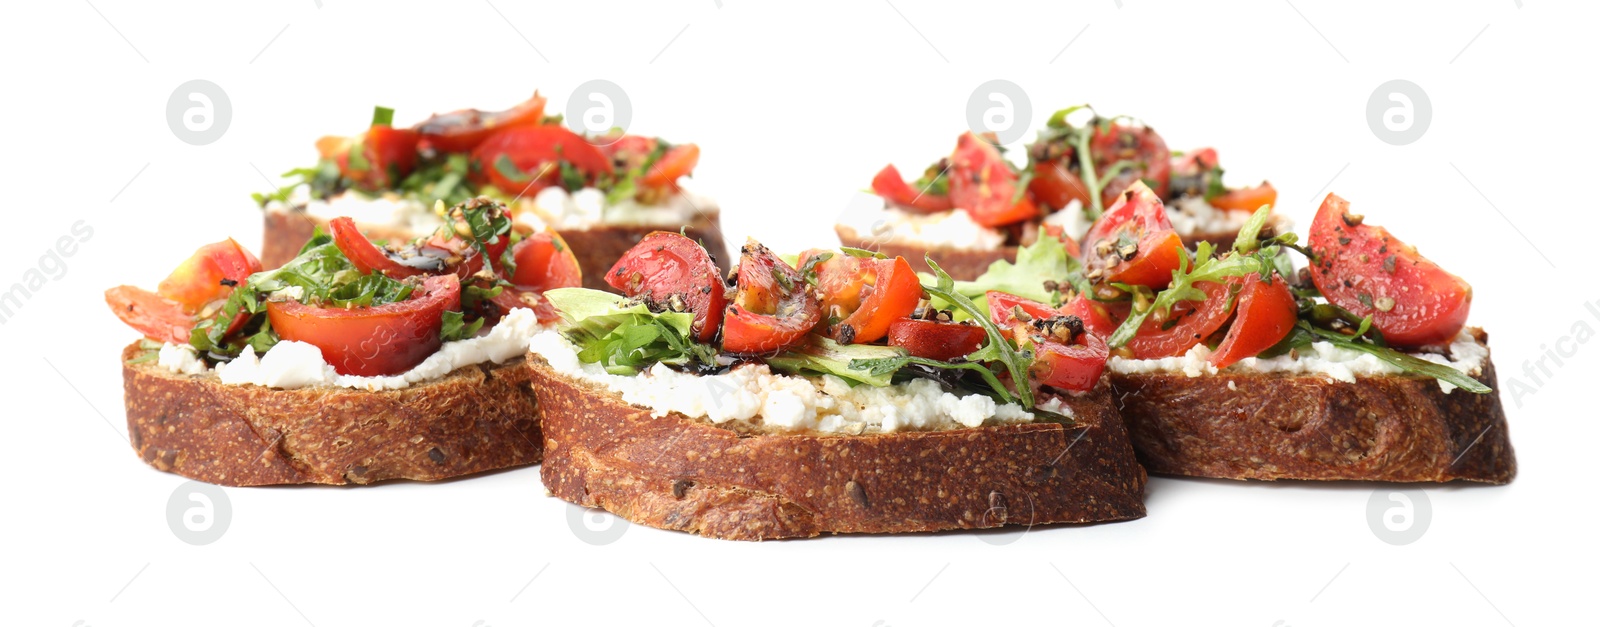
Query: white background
x,y
795,106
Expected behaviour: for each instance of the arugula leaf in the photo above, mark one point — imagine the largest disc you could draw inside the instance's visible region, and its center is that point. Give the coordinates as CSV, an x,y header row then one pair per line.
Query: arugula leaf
x,y
1248,234
1205,268
625,336
369,290
862,253
822,355
999,348
1408,363
383,116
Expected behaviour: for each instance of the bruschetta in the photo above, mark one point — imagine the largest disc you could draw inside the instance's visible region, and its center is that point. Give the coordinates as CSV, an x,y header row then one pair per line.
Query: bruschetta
x,y
601,193
352,363
975,207
833,394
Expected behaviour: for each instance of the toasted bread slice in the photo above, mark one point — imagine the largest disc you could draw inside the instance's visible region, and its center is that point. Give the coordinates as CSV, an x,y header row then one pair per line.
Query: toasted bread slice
x,y
1299,426
597,248
478,418
687,475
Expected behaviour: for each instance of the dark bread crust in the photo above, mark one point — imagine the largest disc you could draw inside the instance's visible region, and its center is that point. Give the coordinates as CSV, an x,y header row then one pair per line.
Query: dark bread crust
x,y
1282,426
475,419
597,249
962,264
679,474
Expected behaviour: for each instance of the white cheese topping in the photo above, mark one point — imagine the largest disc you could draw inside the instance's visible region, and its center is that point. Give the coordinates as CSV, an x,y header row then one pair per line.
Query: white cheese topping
x,y
1073,221
289,365
587,207
1321,358
386,209
1191,215
874,220
754,395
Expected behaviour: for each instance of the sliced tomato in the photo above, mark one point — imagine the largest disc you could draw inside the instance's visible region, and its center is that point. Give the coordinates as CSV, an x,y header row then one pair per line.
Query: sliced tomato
x,y
544,262
1265,314
1074,366
772,310
982,183
679,161
941,340
1133,242
1364,269
1189,323
209,275
861,297
372,341
1146,153
1056,231
673,271
514,297
387,155
894,190
626,152
524,160
157,318
1003,306
1097,318
365,255
1055,186
461,131
1195,162
1246,198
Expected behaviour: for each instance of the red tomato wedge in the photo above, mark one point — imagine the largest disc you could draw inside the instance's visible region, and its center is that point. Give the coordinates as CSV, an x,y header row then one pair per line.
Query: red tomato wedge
x,y
1055,186
1364,269
1246,198
666,266
387,155
679,161
545,262
982,183
1059,362
1133,242
209,275
1055,230
523,160
941,340
1189,322
372,341
157,318
461,131
1146,153
365,255
1265,314
772,310
894,189
861,297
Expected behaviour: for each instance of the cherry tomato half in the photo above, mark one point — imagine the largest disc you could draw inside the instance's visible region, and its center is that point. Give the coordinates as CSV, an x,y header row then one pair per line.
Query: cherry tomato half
x,y
1265,314
1003,306
534,153
209,275
1364,269
372,341
665,266
1133,242
1064,357
365,255
894,190
157,318
461,131
1146,153
861,297
1055,186
545,262
942,340
982,183
387,155
772,310
1246,198
1189,322
679,161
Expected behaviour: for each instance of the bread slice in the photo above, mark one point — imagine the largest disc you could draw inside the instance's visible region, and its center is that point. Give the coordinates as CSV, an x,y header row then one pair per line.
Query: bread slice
x,y
597,248
687,475
1296,426
478,418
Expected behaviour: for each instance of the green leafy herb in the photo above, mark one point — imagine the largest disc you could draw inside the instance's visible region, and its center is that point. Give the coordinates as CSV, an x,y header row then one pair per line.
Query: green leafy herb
x,y
457,328
1205,268
625,336
862,253
998,349
1248,234
510,171
1408,363
382,116
808,272
821,355
1038,265
371,290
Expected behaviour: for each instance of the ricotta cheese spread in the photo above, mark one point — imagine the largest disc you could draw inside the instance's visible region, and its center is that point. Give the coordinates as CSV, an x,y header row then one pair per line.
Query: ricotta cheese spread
x,y
874,220
1321,358
291,365
1191,215
556,208
755,395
